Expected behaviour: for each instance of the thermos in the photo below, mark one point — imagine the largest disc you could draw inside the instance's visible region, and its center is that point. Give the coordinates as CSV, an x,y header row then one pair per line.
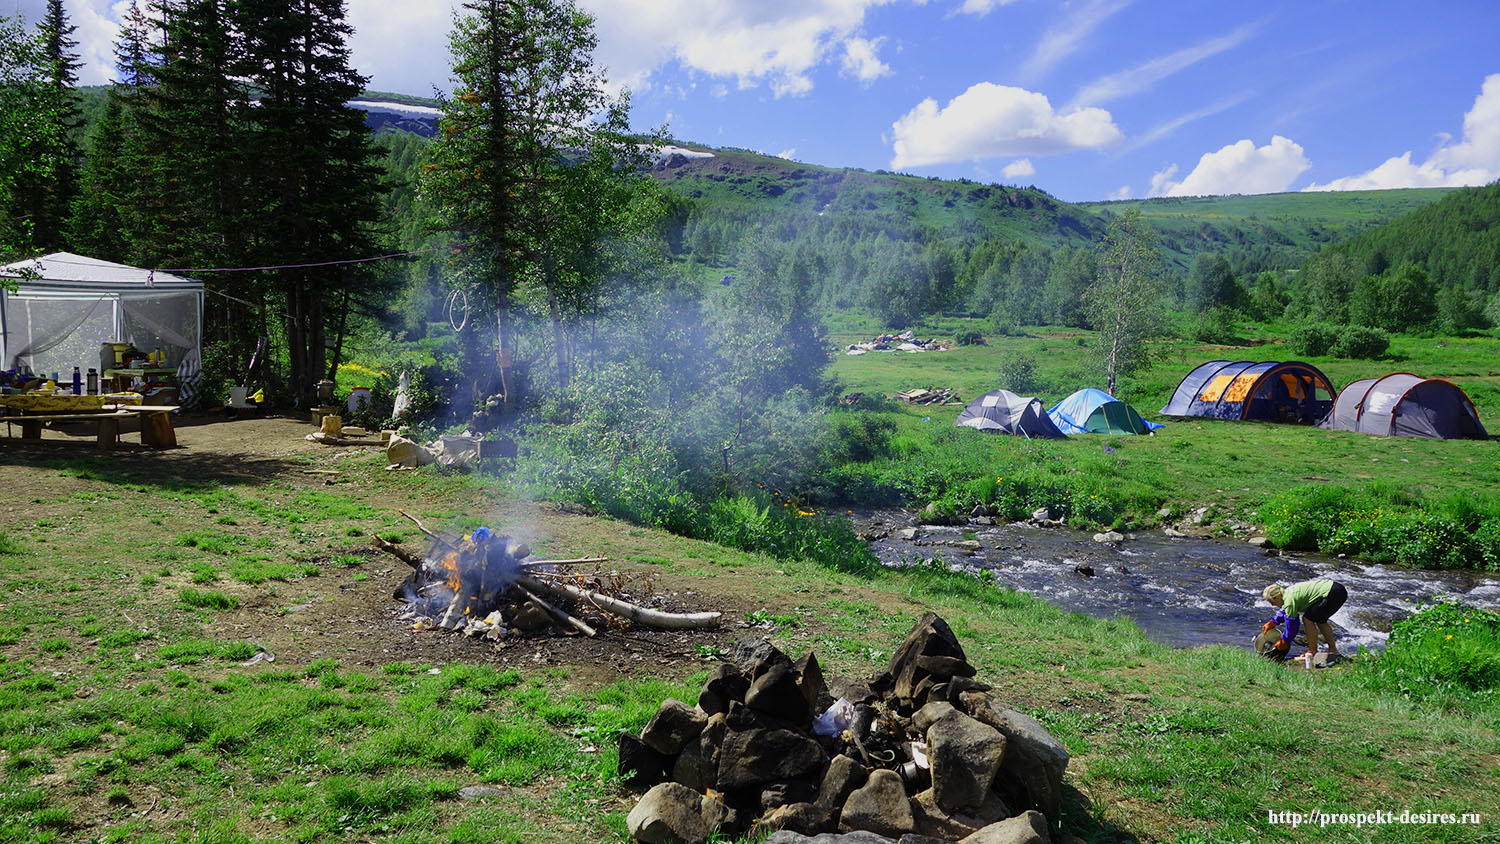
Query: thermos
x,y
93,381
77,382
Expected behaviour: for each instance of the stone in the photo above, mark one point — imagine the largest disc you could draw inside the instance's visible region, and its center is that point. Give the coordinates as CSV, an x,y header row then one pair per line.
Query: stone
x,y
756,757
908,534
987,521
843,777
850,690
669,813
725,685
1173,533
529,617
933,820
697,766
804,818
1109,536
786,836
965,756
880,806
639,765
1258,541
755,656
930,637
1031,773
477,792
1027,828
1164,513
786,793
810,681
777,694
673,725
719,817
1042,514
1084,569
930,714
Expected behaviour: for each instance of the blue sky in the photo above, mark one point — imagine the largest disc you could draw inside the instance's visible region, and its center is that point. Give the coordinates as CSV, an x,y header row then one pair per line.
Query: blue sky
x,y
1088,99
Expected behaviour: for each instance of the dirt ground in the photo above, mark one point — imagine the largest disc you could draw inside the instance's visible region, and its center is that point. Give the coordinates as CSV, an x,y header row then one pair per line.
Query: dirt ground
x,y
348,613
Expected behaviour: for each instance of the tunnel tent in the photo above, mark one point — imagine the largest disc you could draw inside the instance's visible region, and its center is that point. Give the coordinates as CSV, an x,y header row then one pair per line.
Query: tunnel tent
x,y
1008,413
63,306
1405,405
1091,411
1267,391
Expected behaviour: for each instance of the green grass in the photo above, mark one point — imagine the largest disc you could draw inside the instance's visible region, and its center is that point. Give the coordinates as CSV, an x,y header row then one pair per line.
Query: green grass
x,y
8,545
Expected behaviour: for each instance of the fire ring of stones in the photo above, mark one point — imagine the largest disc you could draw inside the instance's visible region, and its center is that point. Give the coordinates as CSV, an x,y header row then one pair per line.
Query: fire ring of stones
x,y
920,753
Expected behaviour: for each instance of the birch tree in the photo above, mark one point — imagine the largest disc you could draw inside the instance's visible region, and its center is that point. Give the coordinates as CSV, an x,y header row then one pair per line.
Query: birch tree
x,y
1125,304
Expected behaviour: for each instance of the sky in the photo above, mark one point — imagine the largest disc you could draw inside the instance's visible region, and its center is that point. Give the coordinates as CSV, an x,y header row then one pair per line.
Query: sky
x,y
1085,99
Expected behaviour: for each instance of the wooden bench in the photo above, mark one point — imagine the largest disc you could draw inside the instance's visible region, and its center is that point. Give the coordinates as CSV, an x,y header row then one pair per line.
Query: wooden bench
x,y
156,424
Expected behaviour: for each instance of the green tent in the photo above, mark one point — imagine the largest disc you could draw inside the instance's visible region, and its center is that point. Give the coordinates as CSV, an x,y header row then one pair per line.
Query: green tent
x,y
1091,411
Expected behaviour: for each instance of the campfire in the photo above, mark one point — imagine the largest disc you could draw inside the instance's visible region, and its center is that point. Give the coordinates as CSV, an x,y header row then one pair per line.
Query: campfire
x,y
921,749
489,584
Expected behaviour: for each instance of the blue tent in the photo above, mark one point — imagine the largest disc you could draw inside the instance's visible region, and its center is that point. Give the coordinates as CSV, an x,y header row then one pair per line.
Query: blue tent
x,y
1091,411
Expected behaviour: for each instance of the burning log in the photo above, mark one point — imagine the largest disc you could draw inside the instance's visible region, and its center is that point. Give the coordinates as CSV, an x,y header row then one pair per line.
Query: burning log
x,y
476,583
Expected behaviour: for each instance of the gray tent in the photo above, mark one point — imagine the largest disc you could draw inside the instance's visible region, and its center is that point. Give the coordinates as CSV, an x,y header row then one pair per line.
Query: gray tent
x,y
1008,413
1405,405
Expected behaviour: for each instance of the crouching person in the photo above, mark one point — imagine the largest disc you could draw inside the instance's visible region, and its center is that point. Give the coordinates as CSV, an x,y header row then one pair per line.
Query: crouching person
x,y
1310,603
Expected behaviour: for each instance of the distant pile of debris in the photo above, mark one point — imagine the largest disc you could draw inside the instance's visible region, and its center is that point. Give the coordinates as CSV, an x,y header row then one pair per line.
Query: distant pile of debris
x,y
927,396
903,342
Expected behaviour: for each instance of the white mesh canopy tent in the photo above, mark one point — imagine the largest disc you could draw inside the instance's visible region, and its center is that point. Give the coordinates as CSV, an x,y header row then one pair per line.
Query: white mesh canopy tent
x,y
66,305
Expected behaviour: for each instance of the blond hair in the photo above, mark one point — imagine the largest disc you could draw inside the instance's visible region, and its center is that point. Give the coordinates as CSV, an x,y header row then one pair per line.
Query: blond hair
x,y
1273,594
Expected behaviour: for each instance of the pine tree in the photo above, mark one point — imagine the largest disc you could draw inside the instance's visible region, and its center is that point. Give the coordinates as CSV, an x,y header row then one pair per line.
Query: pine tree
x,y
317,187
19,80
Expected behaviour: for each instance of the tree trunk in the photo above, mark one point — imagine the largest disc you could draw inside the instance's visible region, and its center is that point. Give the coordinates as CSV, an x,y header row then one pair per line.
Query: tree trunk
x,y
338,340
503,354
559,338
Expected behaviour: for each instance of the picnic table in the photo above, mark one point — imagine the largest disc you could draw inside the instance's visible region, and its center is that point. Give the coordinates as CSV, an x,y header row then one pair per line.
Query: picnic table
x,y
104,412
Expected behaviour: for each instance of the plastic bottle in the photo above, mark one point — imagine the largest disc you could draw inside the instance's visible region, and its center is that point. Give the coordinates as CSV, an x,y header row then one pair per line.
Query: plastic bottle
x,y
77,382
1307,660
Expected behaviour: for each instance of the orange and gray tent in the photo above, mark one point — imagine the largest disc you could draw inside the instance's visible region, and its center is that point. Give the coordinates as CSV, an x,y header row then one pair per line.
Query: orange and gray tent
x,y
1008,413
1267,391
1405,405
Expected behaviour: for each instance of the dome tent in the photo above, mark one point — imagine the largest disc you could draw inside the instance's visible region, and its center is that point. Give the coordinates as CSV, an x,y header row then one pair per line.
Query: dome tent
x,y
1091,411
1267,391
1008,413
1405,405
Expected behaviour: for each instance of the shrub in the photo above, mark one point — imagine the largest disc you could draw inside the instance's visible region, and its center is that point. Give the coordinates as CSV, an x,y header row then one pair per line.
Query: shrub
x,y
1447,648
1216,325
858,437
969,338
1018,374
1313,339
1358,341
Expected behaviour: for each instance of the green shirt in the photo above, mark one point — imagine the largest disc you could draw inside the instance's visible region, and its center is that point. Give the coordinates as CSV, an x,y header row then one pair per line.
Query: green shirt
x,y
1300,596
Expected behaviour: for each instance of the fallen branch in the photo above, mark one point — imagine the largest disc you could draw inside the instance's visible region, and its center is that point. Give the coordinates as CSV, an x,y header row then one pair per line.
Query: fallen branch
x,y
399,553
560,615
634,612
575,562
423,528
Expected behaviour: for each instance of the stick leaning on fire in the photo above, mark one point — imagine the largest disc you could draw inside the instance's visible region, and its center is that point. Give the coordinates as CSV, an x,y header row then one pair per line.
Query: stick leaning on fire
x,y
536,580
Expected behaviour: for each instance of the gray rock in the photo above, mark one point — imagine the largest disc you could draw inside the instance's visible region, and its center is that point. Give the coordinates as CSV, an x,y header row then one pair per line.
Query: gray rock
x,y
1027,828
786,836
669,813
931,714
639,764
1042,514
479,792
1258,541
759,756
1173,532
914,660
673,725
756,655
965,755
718,816
908,534
697,766
778,794
1165,513
1031,773
987,521
806,818
1109,536
843,776
776,693
930,819
810,681
725,685
880,806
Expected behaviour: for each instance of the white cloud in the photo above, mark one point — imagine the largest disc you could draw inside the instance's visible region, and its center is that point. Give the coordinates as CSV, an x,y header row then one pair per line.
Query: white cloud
x,y
1018,169
1067,37
982,7
95,30
1142,77
1164,129
989,121
861,61
1238,168
1122,192
1474,160
773,43
788,154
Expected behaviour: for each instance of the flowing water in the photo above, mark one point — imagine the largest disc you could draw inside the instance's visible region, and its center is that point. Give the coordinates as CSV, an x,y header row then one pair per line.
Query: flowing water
x,y
1180,591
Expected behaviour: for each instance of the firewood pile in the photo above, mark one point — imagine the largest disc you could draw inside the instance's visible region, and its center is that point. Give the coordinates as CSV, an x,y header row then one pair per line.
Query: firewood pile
x,y
491,585
926,395
920,749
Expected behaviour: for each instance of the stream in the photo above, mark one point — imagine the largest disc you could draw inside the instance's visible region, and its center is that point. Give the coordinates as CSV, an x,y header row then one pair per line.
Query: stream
x,y
1182,592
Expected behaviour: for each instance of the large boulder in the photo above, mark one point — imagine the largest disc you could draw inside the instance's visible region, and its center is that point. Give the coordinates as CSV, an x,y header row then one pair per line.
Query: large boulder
x,y
965,756
755,656
1031,774
930,655
777,693
673,725
1026,828
756,757
843,776
668,814
697,767
805,818
880,806
725,685
639,765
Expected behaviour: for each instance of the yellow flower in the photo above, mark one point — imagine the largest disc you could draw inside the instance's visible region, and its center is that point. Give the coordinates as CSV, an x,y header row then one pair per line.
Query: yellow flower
x,y
1450,635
